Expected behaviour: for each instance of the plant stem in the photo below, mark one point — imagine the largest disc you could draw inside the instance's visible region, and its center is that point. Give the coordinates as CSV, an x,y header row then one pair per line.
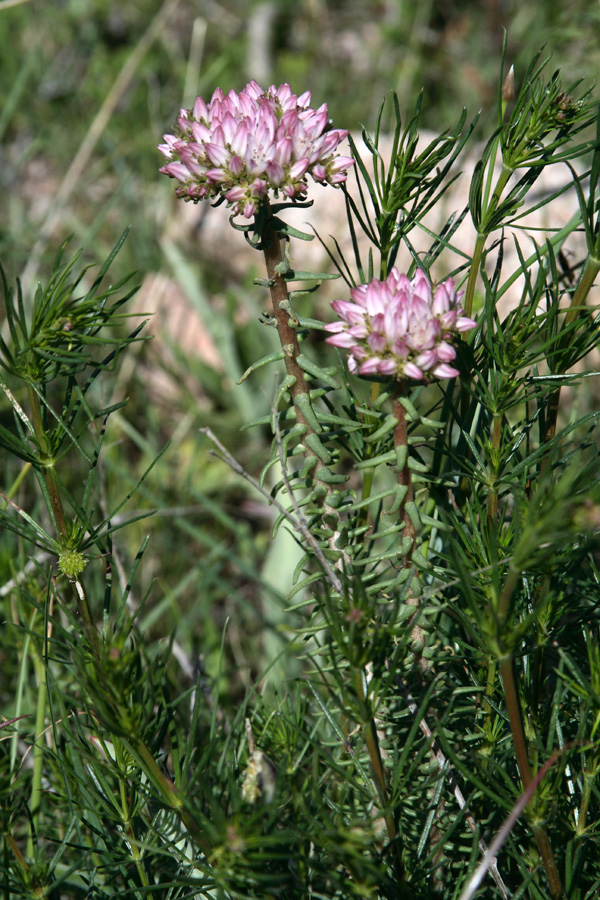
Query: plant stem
x,y
473,272
588,276
299,388
367,484
518,735
280,298
126,815
514,716
58,514
404,477
496,439
85,614
520,745
369,732
589,777
483,234
38,752
488,709
165,787
47,467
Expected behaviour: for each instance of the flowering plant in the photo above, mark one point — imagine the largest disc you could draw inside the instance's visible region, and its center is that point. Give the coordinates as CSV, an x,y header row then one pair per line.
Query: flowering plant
x,y
443,545
241,147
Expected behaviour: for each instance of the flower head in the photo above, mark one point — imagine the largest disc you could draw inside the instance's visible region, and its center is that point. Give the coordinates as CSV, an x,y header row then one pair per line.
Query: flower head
x,y
400,328
239,147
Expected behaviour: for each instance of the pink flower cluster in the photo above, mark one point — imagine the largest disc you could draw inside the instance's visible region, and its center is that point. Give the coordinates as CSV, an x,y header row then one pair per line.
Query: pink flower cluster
x,y
400,328
241,146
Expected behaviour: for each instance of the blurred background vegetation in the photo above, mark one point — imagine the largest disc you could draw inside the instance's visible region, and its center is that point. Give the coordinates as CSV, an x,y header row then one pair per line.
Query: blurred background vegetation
x,y
88,89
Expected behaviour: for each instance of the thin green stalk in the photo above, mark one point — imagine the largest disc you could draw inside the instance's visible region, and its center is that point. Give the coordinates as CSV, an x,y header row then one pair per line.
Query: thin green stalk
x,y
405,480
85,614
474,272
23,677
537,666
48,469
586,281
482,237
512,579
166,789
514,716
12,490
126,816
588,780
59,516
38,753
496,440
369,732
488,709
508,93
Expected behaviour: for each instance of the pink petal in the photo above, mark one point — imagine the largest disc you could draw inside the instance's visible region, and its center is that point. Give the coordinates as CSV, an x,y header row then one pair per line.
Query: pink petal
x,y
341,162
176,170
201,133
370,366
377,342
463,323
298,170
446,353
444,297
412,371
353,313
236,166
239,141
427,360
217,154
217,176
275,173
343,339
200,110
388,366
445,371
235,194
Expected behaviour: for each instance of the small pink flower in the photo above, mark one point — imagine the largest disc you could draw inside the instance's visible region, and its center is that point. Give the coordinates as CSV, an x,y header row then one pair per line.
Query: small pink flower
x,y
243,147
400,328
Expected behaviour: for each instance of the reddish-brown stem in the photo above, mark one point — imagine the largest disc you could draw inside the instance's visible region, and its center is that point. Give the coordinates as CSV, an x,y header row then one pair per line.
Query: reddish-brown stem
x,y
289,341
520,745
298,388
588,277
404,478
515,718
271,242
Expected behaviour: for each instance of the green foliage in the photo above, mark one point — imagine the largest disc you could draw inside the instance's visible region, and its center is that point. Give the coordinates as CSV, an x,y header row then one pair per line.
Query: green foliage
x,y
172,727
